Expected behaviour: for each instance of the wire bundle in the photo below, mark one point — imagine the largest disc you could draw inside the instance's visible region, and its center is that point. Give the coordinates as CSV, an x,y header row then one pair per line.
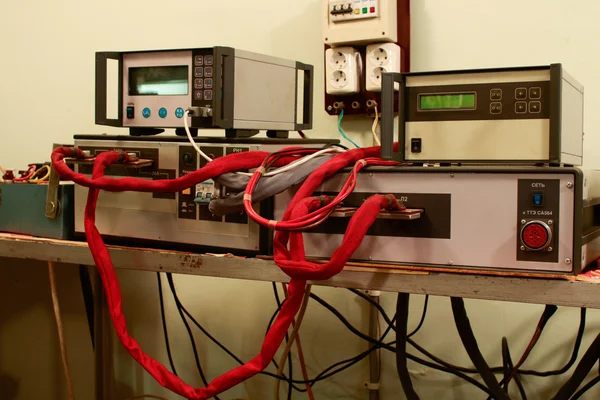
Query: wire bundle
x,y
292,263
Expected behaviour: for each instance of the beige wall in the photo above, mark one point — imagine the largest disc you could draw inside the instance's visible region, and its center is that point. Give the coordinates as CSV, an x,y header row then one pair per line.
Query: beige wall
x,y
47,90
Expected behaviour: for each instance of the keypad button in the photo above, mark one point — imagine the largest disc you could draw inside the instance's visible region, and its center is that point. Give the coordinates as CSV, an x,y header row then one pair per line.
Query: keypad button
x,y
208,84
162,112
535,93
535,107
521,93
199,72
208,95
179,112
520,107
208,60
496,94
146,112
198,84
198,60
496,108
198,94
208,72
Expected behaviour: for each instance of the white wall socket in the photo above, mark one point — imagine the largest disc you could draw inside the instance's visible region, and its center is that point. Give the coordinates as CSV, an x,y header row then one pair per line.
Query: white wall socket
x,y
381,57
343,68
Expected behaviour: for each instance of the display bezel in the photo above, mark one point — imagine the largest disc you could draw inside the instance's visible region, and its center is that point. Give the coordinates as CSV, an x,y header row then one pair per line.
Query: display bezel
x,y
420,95
131,86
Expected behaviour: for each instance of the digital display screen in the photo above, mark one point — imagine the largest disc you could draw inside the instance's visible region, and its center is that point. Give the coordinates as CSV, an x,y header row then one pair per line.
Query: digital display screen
x,y
453,101
159,81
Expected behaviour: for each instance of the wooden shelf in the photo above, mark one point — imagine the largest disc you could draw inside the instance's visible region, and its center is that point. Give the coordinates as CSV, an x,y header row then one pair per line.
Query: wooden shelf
x,y
560,292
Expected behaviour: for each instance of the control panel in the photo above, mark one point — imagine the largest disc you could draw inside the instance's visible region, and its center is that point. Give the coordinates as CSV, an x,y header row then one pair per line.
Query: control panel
x,y
502,100
203,75
349,10
538,208
193,202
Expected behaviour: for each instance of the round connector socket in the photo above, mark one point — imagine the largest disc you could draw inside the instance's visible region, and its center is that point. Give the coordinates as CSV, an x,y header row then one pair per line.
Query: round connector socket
x,y
536,235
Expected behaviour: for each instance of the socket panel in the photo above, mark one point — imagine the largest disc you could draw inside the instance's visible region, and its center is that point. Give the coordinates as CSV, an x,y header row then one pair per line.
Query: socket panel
x,y
343,69
380,58
359,21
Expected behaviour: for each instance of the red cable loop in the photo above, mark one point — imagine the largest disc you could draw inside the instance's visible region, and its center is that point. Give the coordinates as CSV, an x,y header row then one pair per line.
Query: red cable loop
x,y
293,264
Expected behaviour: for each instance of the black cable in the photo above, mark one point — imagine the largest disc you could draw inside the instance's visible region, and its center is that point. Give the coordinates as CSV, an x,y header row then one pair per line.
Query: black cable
x,y
164,322
190,334
583,368
289,355
508,367
88,298
468,338
402,304
423,314
585,388
574,354
389,347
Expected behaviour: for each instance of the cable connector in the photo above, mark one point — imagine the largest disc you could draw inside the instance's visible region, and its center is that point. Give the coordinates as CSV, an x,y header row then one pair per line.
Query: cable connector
x,y
372,386
200,111
373,293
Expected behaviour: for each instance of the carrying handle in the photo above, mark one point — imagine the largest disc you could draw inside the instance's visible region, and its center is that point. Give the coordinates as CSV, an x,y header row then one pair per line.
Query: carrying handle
x,y
101,85
388,81
307,90
223,98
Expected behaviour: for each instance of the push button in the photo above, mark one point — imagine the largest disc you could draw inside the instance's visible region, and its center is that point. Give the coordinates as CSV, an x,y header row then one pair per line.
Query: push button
x,y
496,94
199,72
535,93
198,83
415,145
179,112
535,107
538,199
496,108
520,93
198,60
146,112
130,112
162,112
520,107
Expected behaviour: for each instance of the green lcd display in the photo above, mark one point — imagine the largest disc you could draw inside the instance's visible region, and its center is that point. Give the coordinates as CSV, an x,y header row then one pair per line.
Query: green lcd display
x,y
454,101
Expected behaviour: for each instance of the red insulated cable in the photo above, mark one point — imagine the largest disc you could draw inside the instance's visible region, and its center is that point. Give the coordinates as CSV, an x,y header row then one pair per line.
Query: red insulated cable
x,y
28,174
293,264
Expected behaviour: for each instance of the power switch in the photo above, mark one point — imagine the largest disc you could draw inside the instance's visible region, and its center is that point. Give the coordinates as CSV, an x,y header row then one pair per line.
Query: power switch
x,y
130,112
538,199
415,145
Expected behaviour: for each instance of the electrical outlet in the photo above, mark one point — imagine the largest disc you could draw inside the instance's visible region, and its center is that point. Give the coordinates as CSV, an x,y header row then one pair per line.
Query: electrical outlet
x,y
381,57
343,68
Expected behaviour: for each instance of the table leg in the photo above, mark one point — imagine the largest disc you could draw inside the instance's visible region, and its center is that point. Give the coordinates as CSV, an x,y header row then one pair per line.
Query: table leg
x,y
102,341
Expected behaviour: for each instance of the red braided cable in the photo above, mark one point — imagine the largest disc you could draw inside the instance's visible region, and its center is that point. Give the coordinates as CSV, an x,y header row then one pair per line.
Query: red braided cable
x,y
294,263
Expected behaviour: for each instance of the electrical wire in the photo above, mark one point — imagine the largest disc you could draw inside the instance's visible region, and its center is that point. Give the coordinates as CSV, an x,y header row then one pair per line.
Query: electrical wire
x,y
30,171
402,306
374,127
508,367
191,336
302,135
585,388
35,178
164,322
292,338
470,343
287,339
61,330
587,362
286,168
339,125
147,396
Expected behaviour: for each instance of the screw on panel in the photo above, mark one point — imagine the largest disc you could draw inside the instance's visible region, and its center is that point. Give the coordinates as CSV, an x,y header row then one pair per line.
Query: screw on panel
x,y
329,108
450,262
370,258
550,249
550,222
567,261
371,175
523,221
451,175
569,185
522,248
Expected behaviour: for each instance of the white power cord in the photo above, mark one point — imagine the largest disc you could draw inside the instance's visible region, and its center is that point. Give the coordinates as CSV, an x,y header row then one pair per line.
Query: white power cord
x,y
374,128
286,168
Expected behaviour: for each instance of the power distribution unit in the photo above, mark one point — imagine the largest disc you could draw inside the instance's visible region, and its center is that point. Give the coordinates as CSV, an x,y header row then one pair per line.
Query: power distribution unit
x,y
176,218
236,90
521,115
485,218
